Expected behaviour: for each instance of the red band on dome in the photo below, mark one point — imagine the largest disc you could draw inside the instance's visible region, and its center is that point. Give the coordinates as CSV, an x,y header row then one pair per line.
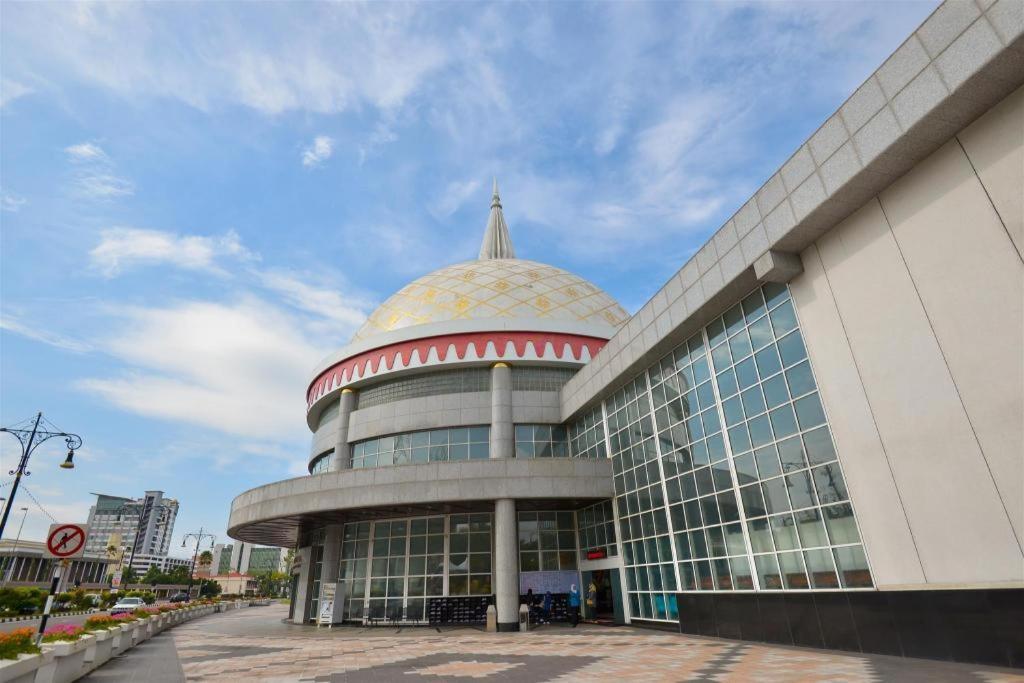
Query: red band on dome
x,y
469,345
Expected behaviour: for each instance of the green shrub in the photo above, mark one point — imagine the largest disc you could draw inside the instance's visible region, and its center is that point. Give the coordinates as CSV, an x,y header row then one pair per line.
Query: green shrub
x,y
15,601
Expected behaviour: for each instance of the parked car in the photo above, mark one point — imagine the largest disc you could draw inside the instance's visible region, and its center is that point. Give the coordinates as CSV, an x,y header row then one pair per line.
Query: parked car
x,y
127,605
179,597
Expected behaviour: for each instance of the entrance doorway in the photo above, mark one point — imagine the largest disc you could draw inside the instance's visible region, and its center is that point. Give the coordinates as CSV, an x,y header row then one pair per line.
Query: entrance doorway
x,y
607,607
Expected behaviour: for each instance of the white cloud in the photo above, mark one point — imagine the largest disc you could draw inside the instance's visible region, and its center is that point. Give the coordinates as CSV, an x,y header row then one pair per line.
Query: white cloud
x,y
453,197
239,368
336,313
94,176
10,202
11,90
318,152
122,248
12,324
86,151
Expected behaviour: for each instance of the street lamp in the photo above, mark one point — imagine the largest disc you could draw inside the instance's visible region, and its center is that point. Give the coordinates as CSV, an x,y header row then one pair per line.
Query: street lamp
x,y
14,551
30,439
198,536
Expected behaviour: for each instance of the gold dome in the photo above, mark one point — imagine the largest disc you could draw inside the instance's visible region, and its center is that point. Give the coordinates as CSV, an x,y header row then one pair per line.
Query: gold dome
x,y
495,288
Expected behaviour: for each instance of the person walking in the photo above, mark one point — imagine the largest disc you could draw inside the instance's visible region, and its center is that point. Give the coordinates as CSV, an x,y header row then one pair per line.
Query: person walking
x,y
547,607
574,605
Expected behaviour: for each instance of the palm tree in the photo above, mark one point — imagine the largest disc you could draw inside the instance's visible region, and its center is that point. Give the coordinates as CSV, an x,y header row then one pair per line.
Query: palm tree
x,y
205,558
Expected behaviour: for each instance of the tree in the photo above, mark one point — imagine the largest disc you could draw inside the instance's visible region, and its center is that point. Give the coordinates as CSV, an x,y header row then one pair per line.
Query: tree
x,y
205,558
128,576
208,588
154,576
270,582
178,575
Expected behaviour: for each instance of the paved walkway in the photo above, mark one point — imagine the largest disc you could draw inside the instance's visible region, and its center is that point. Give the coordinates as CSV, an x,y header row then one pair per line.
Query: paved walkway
x,y
254,644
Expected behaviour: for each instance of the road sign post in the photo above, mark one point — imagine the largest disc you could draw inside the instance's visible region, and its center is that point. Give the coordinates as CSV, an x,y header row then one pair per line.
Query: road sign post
x,y
63,542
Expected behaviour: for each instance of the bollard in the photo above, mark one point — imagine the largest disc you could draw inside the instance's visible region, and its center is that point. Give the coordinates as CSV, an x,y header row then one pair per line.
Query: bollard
x,y
524,618
492,619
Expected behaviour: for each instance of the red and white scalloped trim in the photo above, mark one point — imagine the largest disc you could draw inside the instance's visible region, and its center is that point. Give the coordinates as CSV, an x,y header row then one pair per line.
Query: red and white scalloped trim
x,y
455,348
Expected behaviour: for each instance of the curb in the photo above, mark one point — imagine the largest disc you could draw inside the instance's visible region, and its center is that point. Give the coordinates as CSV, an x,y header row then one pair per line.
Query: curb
x,y
75,613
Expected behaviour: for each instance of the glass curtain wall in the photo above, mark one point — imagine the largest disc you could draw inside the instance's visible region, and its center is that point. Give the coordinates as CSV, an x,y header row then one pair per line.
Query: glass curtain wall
x,y
597,529
726,475
390,568
435,445
547,541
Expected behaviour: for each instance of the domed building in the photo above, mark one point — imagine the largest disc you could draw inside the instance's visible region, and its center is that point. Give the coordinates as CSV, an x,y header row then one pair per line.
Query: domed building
x,y
456,377
809,435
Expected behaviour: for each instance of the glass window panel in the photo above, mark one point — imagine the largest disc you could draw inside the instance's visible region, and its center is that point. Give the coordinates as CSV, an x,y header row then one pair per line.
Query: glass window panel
x,y
753,401
840,524
739,439
853,567
716,332
740,345
809,412
760,431
783,319
733,319
710,419
800,379
705,481
746,373
784,532
775,495
767,461
705,395
698,544
768,572
753,305
811,529
716,447
801,492
761,333
829,482
700,371
709,508
529,562
682,546
783,422
727,506
820,570
818,444
775,393
721,358
458,584
753,501
727,383
723,578
791,454
792,567
768,361
705,581
716,542
733,411
791,348
746,471
760,536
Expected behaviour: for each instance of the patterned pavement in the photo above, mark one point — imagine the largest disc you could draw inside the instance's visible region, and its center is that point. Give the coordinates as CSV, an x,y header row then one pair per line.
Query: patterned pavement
x,y
254,644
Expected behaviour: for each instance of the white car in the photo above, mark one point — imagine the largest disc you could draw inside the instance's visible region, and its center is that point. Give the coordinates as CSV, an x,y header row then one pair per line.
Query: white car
x,y
127,605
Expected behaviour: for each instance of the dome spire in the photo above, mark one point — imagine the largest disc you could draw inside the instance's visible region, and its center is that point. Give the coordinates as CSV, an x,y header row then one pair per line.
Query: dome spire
x,y
497,243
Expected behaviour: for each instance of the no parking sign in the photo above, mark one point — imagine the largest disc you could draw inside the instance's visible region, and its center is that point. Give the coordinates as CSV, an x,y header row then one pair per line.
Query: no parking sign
x,y
66,541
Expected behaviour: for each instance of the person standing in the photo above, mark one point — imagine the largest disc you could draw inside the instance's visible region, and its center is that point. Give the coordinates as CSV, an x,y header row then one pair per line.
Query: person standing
x,y
547,607
592,599
574,605
530,605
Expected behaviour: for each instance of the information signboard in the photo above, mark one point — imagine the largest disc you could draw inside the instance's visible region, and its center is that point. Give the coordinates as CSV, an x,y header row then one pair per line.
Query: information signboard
x,y
332,600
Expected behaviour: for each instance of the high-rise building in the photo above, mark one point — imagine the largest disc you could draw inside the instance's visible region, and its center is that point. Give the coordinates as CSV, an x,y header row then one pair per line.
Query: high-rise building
x,y
245,558
145,523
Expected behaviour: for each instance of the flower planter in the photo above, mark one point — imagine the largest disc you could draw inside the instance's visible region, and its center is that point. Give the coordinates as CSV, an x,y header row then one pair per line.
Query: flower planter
x,y
123,638
24,668
101,649
67,661
138,632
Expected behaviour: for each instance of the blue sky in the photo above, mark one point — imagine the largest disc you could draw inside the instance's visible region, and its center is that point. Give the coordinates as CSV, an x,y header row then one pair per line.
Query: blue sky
x,y
202,200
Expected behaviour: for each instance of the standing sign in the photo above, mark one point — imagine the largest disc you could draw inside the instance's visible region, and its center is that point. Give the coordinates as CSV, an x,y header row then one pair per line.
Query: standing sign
x,y
115,581
331,601
66,541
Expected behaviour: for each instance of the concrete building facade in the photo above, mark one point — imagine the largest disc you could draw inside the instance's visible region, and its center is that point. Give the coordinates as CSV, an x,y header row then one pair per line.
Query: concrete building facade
x,y
811,434
146,522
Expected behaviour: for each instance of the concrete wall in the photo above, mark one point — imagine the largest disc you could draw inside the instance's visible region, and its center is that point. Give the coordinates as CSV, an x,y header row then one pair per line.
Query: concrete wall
x,y
913,313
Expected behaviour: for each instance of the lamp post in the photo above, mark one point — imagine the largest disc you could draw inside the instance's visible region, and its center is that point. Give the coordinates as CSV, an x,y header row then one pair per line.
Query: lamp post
x,y
198,536
14,551
30,439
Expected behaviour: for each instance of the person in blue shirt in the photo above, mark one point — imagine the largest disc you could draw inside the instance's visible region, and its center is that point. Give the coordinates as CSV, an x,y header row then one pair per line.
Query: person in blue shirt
x,y
574,605
547,607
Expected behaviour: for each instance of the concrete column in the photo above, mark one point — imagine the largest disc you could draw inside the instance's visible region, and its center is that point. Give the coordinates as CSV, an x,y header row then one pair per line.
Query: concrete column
x,y
302,587
506,564
342,459
502,430
332,554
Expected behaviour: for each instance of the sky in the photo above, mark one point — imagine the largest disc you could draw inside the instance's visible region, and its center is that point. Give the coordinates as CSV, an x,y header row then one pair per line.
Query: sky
x,y
200,201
